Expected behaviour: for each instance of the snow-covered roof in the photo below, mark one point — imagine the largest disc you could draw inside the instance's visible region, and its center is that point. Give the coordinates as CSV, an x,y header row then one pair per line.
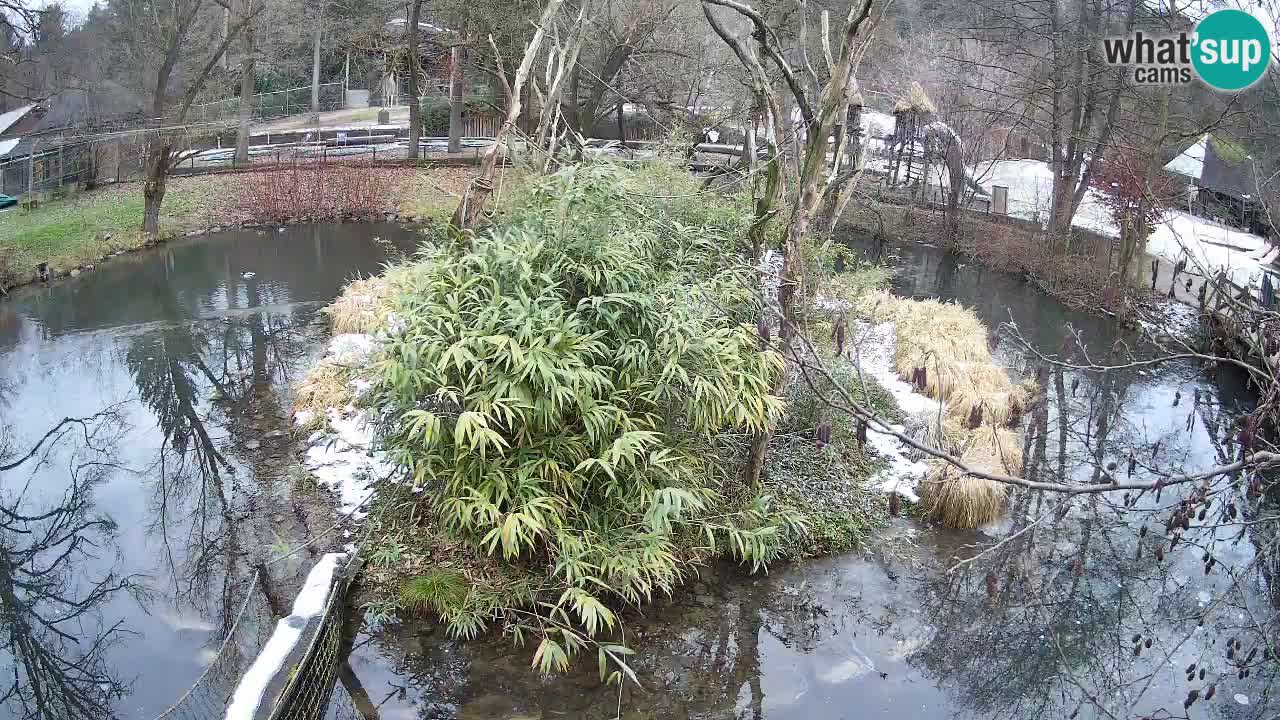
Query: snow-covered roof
x,y
7,145
422,25
13,116
1191,161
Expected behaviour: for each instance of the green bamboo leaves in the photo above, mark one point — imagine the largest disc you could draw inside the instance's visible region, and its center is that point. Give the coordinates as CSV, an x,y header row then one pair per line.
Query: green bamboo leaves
x,y
552,384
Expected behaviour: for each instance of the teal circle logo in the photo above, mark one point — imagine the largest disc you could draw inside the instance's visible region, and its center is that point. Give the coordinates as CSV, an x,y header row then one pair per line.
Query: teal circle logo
x,y
1231,50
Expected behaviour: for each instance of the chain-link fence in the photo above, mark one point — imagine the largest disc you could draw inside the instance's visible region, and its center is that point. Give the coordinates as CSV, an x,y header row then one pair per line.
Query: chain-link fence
x,y
49,171
278,103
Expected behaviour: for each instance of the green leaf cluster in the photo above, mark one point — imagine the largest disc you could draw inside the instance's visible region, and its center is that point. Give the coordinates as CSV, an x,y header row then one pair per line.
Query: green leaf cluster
x,y
556,382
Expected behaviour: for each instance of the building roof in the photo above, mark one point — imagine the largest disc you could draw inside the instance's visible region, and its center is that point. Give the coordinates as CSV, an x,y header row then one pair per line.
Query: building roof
x,y
1190,162
1227,169
1216,164
8,119
6,146
423,25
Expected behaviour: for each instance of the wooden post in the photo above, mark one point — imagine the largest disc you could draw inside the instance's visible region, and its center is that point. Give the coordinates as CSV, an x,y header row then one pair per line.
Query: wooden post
x,y
31,172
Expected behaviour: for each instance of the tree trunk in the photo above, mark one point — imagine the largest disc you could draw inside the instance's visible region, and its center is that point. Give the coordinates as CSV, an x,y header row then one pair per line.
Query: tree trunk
x,y
246,92
477,194
158,157
415,103
315,72
456,99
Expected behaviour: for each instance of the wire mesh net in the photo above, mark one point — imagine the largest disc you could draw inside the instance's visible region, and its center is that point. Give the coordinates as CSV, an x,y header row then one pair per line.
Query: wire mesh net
x,y
310,684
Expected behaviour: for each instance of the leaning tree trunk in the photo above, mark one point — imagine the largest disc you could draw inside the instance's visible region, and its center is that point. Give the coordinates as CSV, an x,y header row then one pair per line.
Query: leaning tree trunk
x,y
159,155
470,209
415,103
456,99
246,92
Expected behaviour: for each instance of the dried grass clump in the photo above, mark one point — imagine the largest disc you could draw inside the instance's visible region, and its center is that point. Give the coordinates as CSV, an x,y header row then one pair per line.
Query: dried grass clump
x,y
325,386
917,101
961,501
942,349
949,343
362,306
964,501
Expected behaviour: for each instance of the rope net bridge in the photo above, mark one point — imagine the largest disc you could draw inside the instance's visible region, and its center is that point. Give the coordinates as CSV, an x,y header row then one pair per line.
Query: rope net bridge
x,y
294,672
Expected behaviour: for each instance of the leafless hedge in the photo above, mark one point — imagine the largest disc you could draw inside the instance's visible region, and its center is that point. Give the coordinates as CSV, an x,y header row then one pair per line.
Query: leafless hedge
x,y
313,191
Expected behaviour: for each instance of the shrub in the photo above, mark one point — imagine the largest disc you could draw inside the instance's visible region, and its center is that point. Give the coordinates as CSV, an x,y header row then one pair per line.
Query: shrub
x,y
435,113
557,384
313,190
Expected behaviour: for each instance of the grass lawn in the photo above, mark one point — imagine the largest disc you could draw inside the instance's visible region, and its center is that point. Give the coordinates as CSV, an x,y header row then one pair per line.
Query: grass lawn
x,y
84,227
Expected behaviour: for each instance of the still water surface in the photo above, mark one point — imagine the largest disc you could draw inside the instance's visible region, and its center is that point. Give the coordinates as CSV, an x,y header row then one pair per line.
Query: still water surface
x,y
150,525
190,484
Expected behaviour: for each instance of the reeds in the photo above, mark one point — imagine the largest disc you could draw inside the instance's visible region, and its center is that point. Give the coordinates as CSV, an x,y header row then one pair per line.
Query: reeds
x,y
942,349
325,386
361,308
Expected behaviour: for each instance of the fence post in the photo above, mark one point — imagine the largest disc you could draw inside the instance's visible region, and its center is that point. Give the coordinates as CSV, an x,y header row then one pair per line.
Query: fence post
x,y
31,171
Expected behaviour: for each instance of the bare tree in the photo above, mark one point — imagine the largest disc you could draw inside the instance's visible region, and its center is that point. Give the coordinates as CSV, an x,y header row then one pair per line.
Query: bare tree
x,y
472,206
415,102
163,38
247,68
814,169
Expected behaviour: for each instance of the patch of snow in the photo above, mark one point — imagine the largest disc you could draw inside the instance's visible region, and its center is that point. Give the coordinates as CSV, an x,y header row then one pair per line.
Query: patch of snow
x,y
248,275
1171,318
344,460
876,125
1030,184
303,417
13,116
351,349
309,604
1242,698
875,358
1210,246
360,388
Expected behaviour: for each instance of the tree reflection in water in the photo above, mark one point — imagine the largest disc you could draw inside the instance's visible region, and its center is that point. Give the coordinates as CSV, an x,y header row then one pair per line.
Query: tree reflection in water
x,y
1063,609
51,628
214,386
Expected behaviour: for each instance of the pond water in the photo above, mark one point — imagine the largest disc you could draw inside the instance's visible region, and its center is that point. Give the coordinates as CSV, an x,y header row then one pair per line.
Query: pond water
x,y
1070,614
162,508
130,540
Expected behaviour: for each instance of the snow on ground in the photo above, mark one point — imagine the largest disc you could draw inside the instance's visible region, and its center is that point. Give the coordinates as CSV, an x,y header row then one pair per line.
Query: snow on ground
x,y
343,458
309,604
875,358
1030,184
1209,246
